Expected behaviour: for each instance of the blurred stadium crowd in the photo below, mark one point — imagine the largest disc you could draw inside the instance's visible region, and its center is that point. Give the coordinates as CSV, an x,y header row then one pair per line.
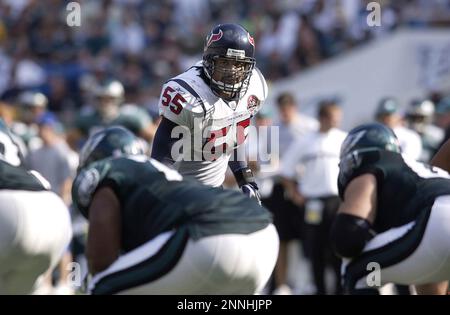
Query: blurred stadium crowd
x,y
50,73
142,43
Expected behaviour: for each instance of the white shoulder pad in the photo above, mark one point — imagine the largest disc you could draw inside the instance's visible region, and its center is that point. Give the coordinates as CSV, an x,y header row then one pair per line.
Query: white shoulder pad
x,y
258,85
256,93
178,103
195,97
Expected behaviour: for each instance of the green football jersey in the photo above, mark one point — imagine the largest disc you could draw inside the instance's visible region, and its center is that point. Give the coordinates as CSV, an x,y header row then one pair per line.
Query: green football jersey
x,y
132,117
155,199
405,188
18,178
89,122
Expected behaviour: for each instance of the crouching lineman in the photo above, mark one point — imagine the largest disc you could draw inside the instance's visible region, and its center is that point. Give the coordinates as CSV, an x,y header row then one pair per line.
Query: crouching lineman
x,y
35,227
151,232
394,222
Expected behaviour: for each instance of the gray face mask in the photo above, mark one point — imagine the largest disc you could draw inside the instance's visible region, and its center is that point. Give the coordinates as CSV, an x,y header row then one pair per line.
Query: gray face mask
x,y
230,80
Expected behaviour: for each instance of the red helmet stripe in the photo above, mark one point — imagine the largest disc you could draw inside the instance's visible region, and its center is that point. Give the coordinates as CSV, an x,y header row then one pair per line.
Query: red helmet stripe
x,y
251,40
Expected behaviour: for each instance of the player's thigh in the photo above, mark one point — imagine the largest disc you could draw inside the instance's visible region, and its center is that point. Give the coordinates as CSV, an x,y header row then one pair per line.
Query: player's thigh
x,y
23,273
221,264
243,263
9,221
408,255
46,225
19,268
38,222
200,270
430,262
153,268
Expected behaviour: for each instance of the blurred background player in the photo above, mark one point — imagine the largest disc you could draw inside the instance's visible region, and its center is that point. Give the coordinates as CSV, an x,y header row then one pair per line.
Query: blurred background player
x,y
310,170
142,240
388,113
420,118
8,113
109,109
34,223
288,216
53,160
31,106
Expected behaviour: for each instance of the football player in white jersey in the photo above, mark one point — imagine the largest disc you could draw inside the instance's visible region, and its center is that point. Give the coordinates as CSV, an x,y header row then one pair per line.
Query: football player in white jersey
x,y
208,109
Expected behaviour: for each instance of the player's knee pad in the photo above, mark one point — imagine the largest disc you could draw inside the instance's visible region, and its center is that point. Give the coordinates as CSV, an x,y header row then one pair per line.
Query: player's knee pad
x,y
349,235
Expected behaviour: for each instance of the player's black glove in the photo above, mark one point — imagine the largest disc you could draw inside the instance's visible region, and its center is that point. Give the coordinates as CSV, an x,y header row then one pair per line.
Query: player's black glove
x,y
246,182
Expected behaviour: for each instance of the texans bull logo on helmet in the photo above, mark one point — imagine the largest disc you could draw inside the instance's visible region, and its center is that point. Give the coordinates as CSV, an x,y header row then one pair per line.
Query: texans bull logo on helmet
x,y
214,38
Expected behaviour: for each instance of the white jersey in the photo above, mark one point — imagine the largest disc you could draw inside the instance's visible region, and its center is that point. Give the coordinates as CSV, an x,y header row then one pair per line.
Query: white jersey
x,y
215,127
315,157
410,142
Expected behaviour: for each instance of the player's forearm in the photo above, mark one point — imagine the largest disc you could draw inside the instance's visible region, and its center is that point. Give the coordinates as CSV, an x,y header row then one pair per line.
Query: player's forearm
x,y
66,189
163,142
148,133
242,173
442,158
238,159
238,165
104,235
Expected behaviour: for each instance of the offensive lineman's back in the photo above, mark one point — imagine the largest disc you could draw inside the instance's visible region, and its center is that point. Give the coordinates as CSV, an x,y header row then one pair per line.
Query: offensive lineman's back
x,y
406,187
155,200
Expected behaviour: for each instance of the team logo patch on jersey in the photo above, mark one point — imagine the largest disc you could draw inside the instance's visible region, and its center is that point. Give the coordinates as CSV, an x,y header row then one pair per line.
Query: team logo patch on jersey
x,y
88,182
253,104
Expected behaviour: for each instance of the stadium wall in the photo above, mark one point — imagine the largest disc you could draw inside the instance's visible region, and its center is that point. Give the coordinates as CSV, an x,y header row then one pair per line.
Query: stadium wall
x,y
407,64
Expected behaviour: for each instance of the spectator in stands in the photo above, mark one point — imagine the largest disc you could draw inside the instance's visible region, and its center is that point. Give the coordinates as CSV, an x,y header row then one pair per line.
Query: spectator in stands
x,y
37,44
